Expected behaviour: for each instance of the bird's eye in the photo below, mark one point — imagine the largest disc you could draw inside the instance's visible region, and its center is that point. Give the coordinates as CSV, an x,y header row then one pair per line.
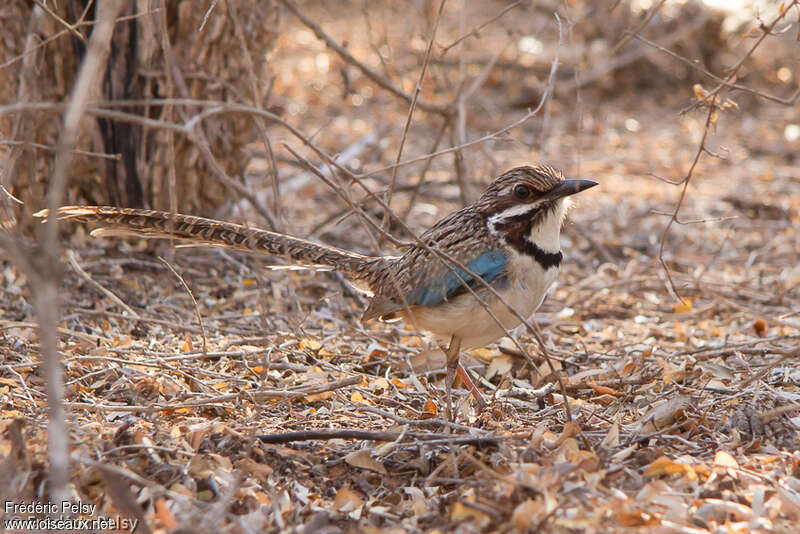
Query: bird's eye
x,y
522,192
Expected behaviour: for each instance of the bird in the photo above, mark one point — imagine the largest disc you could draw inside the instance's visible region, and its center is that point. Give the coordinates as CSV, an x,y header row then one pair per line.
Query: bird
x,y
469,279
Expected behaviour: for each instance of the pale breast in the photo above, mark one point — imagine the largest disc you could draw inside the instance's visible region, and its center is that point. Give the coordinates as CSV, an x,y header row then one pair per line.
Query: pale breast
x,y
466,318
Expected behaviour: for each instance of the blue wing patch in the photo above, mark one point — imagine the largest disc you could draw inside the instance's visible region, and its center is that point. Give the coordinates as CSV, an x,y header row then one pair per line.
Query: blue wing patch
x,y
488,266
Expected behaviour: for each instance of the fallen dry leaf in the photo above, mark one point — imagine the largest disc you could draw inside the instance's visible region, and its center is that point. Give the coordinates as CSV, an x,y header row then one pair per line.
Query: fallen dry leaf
x,y
684,306
724,459
612,437
164,516
498,366
525,514
429,411
760,326
463,512
666,466
364,460
347,500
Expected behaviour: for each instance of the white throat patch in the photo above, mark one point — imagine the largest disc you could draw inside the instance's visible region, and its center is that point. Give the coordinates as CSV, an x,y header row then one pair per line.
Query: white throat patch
x,y
546,234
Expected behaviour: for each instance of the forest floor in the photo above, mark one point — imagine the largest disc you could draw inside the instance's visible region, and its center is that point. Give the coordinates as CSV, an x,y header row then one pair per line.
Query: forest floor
x,y
684,409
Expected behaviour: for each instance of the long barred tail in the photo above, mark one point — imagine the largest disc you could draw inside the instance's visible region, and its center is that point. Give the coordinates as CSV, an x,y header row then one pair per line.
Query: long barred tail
x,y
201,231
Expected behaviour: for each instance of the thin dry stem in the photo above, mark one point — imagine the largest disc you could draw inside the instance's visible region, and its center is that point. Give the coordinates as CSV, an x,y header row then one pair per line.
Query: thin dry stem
x,y
48,275
194,302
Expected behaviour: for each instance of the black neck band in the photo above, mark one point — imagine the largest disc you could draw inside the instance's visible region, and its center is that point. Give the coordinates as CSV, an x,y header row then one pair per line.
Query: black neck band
x,y
515,230
542,257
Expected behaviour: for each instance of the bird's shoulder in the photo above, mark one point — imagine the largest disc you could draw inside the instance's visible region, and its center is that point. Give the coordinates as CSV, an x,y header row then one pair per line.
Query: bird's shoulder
x,y
458,233
462,236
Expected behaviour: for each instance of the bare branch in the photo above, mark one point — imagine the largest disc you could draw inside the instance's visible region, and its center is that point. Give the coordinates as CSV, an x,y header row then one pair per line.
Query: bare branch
x,y
48,275
407,125
369,72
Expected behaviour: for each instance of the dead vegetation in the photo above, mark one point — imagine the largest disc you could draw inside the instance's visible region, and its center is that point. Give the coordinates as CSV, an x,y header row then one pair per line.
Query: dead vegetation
x,y
204,392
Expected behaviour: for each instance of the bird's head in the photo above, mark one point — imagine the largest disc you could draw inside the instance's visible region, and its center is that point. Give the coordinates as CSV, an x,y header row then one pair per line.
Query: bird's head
x,y
529,204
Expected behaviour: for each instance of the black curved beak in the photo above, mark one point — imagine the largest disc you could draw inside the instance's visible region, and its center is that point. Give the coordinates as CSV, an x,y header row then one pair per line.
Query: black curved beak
x,y
566,188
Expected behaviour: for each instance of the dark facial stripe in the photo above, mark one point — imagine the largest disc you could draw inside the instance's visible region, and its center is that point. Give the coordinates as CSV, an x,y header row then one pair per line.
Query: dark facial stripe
x,y
533,215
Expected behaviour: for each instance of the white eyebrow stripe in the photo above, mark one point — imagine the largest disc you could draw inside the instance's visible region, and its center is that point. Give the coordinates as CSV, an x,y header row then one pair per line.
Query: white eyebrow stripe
x,y
519,209
513,211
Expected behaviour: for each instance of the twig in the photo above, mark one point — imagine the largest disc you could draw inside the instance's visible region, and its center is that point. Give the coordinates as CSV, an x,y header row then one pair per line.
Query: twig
x,y
88,153
495,514
708,353
73,261
614,382
148,448
488,137
761,315
30,49
197,135
93,339
766,31
267,394
164,322
370,435
159,361
366,70
24,385
244,395
194,302
47,276
69,27
616,63
346,197
216,108
712,100
344,157
774,413
259,101
458,137
409,116
476,31
417,422
729,84
629,35
425,168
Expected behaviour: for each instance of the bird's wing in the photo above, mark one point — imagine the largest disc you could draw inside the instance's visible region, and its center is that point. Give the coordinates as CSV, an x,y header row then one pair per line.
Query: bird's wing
x,y
446,282
455,280
421,277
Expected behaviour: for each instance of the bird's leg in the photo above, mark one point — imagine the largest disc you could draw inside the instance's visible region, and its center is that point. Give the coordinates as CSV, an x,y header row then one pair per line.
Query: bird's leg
x,y
470,385
452,353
